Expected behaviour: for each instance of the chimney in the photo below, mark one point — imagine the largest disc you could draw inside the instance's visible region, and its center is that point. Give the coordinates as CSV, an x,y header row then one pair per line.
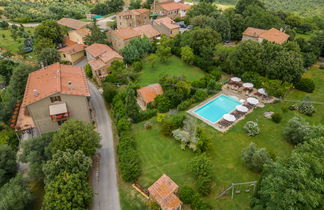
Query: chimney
x,y
36,93
70,85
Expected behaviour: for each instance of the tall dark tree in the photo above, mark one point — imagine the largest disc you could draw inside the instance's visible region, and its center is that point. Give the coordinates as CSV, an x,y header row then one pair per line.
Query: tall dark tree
x,y
8,165
75,135
242,5
130,103
295,182
16,194
48,56
51,30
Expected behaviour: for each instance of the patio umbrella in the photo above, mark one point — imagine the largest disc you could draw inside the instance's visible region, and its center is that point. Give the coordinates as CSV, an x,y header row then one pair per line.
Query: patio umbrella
x,y
242,108
262,91
229,117
248,85
252,101
236,79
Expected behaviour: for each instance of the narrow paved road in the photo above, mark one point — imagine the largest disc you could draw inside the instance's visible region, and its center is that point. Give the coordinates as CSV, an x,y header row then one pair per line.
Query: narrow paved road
x,y
106,195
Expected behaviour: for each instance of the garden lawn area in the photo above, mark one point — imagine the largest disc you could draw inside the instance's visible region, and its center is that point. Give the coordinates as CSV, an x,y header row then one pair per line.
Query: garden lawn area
x,y
160,154
174,67
7,42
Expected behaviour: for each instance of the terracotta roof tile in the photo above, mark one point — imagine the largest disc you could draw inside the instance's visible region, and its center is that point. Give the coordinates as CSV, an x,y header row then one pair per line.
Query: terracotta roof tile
x,y
134,12
126,33
98,49
107,56
83,32
147,30
167,22
72,23
254,32
72,49
69,42
274,35
96,64
163,192
54,79
149,93
170,6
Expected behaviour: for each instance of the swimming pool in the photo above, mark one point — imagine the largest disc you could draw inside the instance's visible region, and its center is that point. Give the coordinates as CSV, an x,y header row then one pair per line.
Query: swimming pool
x,y
215,109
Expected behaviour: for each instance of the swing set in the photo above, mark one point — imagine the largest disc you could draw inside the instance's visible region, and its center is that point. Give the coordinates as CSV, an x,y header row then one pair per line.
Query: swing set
x,y
237,188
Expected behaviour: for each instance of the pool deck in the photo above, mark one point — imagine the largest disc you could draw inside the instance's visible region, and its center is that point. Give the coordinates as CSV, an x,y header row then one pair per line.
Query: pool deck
x,y
227,92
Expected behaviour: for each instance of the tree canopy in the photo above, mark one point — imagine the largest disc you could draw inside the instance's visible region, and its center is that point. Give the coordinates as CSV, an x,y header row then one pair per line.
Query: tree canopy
x,y
75,135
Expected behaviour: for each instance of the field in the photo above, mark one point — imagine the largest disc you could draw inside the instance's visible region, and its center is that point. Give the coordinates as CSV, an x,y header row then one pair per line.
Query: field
x,y
160,154
173,67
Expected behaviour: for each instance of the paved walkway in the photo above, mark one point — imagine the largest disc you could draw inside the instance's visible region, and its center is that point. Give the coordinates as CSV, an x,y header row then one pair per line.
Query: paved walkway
x,y
106,195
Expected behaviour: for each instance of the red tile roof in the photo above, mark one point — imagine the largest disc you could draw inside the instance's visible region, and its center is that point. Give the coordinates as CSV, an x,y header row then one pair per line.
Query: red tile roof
x,y
107,56
254,32
72,49
167,22
98,49
272,35
54,79
96,64
147,30
126,33
170,6
134,12
149,93
163,192
72,23
83,32
69,42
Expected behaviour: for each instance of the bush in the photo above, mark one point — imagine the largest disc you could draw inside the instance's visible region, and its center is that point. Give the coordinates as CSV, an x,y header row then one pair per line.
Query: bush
x,y
163,103
306,85
185,104
171,123
123,125
137,66
145,115
109,92
88,71
129,161
276,117
200,95
251,128
255,158
186,194
215,72
306,108
201,169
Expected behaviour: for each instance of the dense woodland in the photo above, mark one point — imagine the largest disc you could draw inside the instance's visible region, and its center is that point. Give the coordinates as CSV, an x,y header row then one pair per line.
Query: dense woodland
x,y
302,7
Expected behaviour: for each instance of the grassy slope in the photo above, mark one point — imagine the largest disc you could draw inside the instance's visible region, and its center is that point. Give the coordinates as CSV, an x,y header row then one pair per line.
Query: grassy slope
x,y
161,154
174,66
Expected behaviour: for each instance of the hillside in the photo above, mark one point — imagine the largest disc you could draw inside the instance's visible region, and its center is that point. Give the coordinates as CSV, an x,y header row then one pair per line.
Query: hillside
x,y
302,7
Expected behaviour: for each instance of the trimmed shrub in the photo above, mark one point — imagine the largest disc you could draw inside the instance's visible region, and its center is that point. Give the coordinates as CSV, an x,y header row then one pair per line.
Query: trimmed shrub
x,y
276,117
306,108
145,115
306,85
251,128
88,71
163,103
186,194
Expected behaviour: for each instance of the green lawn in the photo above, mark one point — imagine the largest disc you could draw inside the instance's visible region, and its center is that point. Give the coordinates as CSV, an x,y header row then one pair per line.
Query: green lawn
x,y
7,41
174,66
160,154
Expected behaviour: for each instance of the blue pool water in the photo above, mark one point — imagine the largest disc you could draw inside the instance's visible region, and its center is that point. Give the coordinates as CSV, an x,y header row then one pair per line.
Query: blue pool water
x,y
215,109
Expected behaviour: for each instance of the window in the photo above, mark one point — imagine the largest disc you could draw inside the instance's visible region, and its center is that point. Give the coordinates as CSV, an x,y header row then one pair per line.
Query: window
x,y
64,55
55,98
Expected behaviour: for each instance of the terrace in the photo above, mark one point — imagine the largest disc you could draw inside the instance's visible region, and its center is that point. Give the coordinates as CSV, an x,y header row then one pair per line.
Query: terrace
x,y
233,103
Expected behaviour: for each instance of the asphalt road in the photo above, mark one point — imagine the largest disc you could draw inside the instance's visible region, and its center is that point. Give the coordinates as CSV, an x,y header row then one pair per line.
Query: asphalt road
x,y
106,195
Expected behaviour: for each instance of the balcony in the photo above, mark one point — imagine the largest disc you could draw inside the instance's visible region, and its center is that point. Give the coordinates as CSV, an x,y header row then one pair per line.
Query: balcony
x,y
58,112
